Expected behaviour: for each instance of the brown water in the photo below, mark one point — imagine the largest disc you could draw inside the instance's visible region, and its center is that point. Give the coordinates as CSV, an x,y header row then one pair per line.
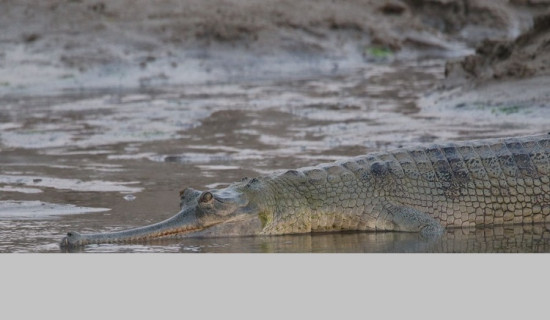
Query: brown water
x,y
113,159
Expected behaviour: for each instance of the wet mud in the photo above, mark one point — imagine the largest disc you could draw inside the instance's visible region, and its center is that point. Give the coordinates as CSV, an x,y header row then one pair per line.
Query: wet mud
x,y
103,140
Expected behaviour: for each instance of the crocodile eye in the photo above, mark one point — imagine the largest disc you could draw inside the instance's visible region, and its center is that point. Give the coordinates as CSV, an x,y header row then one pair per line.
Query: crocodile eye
x,y
206,197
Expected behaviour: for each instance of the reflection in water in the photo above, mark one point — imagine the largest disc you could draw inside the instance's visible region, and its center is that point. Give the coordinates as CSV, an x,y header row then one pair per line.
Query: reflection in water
x,y
510,239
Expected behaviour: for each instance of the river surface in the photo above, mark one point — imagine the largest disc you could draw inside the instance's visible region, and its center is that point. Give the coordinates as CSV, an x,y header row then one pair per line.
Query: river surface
x,y
110,159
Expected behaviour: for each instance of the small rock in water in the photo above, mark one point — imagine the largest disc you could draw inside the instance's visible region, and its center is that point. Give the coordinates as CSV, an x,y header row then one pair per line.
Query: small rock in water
x,y
129,197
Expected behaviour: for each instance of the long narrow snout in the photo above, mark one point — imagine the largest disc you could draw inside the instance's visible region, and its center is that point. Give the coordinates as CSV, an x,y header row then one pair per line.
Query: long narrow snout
x,y
183,222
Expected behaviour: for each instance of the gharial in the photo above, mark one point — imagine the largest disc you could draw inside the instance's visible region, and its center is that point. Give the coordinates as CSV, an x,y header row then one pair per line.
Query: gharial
x,y
418,189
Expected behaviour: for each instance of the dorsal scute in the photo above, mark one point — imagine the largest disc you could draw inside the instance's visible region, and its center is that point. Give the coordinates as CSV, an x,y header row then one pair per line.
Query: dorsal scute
x,y
315,175
294,175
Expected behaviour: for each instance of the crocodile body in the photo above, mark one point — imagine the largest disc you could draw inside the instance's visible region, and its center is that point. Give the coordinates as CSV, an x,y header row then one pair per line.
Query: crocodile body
x,y
458,184
418,189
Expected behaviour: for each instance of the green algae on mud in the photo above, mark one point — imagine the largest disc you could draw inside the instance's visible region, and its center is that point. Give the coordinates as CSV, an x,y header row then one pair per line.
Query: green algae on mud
x,y
378,53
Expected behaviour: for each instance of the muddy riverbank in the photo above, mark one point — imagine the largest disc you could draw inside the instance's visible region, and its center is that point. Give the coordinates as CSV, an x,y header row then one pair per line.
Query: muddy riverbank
x,y
108,109
52,46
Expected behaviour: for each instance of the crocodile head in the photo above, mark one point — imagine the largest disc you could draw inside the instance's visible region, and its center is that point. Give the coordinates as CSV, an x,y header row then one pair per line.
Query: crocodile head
x,y
223,212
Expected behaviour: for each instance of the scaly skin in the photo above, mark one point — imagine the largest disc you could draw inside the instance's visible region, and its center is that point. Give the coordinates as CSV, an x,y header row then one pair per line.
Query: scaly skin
x,y
420,189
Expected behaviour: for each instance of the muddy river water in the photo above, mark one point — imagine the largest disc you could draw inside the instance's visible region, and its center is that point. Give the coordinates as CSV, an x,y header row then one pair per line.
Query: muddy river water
x,y
111,159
